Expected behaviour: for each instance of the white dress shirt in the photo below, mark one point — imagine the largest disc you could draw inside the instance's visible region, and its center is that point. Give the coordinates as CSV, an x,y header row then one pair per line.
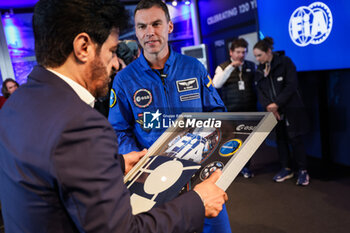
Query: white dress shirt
x,y
81,91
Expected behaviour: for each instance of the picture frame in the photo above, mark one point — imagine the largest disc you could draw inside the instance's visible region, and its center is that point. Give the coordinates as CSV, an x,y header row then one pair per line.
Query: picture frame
x,y
194,146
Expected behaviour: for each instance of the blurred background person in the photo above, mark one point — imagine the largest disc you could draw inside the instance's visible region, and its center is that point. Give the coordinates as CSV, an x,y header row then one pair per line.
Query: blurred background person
x,y
235,80
134,47
128,51
277,88
8,87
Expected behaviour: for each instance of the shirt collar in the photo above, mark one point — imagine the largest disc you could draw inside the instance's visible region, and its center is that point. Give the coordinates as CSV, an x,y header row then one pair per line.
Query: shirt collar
x,y
81,91
169,61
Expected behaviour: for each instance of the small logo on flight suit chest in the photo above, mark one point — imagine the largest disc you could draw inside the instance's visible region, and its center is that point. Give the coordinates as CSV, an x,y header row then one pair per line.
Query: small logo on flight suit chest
x,y
142,98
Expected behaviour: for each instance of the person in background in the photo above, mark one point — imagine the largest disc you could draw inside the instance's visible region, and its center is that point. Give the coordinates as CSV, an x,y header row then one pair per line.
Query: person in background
x,y
8,87
60,170
235,79
277,88
134,48
162,82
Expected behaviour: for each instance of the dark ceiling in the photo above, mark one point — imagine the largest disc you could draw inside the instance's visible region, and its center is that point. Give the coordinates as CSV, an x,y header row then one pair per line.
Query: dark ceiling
x,y
27,4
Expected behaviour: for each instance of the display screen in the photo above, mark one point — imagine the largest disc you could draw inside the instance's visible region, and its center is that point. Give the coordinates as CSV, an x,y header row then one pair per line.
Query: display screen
x,y
216,15
314,34
20,43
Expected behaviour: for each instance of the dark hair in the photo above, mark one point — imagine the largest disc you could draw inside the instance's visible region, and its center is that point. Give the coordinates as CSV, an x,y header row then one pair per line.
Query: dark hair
x,y
4,89
146,4
57,22
265,44
240,42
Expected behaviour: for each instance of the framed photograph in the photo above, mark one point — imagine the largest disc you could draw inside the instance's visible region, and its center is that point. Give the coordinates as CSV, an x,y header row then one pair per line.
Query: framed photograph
x,y
191,149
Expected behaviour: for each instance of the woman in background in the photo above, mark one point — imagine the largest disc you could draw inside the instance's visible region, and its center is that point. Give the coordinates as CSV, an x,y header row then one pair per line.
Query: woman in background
x,y
277,89
8,87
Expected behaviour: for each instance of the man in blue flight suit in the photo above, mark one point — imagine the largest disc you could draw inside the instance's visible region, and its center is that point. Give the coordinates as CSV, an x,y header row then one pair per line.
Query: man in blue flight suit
x,y
160,84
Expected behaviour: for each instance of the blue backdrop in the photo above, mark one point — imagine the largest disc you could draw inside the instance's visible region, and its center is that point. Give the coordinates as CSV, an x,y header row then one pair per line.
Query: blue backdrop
x,y
323,33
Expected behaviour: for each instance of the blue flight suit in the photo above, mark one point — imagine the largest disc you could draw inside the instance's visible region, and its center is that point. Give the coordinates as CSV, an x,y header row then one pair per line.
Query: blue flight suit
x,y
186,87
140,94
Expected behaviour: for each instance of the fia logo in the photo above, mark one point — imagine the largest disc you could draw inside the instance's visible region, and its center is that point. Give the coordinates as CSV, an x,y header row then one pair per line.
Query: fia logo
x,y
152,120
310,24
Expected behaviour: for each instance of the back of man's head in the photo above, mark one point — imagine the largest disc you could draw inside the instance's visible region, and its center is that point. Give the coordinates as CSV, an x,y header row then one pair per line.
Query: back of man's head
x,y
147,4
237,43
57,22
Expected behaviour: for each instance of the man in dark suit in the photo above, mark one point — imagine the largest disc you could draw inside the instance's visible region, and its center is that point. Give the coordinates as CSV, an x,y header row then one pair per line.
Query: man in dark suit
x,y
59,167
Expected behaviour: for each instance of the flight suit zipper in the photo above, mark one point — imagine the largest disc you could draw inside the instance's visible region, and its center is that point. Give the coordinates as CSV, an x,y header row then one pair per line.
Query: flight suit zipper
x,y
162,78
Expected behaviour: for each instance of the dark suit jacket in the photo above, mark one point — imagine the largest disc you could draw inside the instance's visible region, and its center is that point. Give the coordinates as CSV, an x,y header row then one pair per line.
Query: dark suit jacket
x,y
59,172
281,87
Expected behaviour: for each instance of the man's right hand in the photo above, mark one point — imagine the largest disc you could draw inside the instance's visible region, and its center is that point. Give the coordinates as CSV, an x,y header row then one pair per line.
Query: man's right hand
x,y
212,196
236,63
